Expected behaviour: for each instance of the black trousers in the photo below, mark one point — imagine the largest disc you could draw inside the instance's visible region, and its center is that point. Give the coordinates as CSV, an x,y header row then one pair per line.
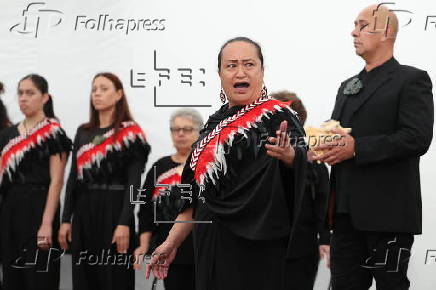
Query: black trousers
x,y
357,257
25,267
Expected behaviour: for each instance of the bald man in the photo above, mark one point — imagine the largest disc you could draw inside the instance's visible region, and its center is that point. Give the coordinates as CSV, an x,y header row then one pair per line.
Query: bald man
x,y
375,205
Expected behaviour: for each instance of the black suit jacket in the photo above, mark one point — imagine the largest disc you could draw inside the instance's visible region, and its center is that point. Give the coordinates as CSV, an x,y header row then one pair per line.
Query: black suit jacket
x,y
392,124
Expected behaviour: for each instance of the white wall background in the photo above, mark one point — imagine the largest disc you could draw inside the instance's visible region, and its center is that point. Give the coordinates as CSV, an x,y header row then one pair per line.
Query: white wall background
x,y
307,47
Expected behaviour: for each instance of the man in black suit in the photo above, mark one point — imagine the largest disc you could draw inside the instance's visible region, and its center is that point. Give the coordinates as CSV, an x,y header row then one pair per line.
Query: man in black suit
x,y
376,195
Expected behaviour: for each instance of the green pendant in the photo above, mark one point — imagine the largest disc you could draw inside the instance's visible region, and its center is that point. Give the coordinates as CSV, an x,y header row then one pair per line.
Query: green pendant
x,y
98,140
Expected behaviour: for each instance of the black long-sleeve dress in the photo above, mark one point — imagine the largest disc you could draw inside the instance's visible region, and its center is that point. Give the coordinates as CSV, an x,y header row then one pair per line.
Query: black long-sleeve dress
x,y
161,192
106,167
311,229
25,179
252,199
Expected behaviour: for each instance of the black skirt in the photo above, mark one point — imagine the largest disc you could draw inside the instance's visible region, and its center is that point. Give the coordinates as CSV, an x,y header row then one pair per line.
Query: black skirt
x,y
24,266
225,261
96,262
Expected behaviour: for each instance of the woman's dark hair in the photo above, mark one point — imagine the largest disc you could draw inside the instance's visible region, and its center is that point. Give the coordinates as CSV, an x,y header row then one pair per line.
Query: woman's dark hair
x,y
122,111
297,105
243,39
42,85
4,118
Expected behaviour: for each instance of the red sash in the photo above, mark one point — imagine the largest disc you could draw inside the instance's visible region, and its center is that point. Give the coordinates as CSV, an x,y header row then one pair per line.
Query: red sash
x,y
92,154
209,157
15,150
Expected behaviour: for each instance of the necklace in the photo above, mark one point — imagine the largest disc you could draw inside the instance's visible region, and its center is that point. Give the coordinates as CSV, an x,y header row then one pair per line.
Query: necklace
x,y
26,130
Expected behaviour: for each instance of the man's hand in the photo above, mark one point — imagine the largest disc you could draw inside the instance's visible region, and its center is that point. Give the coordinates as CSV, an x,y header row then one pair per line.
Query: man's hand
x,y
337,150
282,148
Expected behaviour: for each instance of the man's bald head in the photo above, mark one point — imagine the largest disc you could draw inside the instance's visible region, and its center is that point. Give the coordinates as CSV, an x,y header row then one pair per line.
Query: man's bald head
x,y
375,31
385,20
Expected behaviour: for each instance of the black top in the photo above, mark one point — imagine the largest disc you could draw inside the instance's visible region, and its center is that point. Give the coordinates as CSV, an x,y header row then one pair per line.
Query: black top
x,y
122,165
34,166
392,124
257,197
167,206
162,171
314,210
351,101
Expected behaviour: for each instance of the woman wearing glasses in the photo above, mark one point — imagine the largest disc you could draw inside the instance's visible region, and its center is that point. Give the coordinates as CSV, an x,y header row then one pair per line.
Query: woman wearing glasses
x,y
184,125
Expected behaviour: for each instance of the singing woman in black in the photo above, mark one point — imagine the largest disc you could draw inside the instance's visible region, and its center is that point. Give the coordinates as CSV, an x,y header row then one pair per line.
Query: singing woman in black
x,y
109,155
33,158
247,183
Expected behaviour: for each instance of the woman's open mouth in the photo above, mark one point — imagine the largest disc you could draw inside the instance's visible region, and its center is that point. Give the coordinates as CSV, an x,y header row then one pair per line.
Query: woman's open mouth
x,y
241,87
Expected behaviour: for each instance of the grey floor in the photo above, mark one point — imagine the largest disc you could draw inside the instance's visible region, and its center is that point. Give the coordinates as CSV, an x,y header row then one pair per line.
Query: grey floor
x,y
142,284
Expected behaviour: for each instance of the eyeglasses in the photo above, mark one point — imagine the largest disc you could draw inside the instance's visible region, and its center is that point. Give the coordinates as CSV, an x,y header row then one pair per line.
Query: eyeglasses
x,y
184,130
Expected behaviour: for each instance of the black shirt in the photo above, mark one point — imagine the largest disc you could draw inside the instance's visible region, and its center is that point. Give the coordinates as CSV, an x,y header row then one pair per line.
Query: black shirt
x,y
121,167
34,166
167,206
255,198
342,196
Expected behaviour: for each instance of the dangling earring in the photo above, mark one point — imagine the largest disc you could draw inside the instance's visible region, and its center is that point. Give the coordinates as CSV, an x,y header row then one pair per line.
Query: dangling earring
x,y
223,97
264,92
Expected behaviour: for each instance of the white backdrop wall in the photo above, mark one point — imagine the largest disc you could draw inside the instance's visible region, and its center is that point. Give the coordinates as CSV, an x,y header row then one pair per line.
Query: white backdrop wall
x,y
307,47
